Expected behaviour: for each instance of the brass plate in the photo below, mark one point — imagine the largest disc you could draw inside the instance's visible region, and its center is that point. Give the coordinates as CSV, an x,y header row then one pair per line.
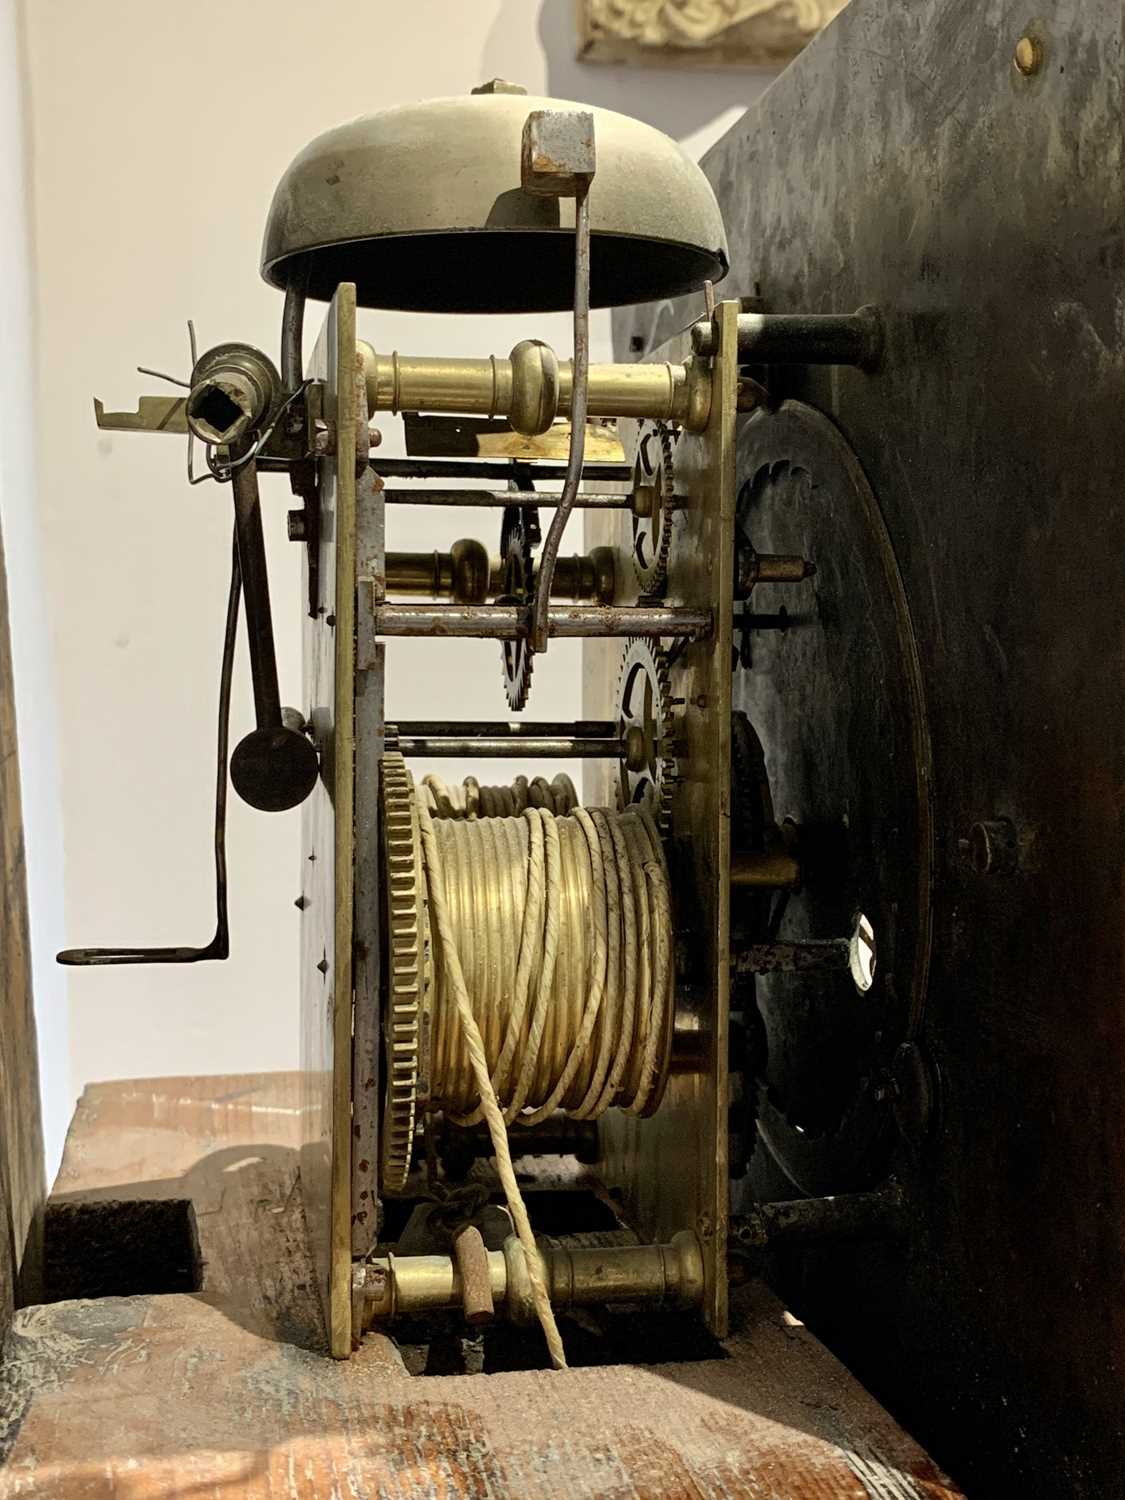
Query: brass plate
x,y
153,414
672,1167
327,842
369,723
481,437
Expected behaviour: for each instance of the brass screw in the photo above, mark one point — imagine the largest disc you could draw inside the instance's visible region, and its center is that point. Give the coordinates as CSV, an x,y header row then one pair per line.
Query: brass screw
x,y
1028,56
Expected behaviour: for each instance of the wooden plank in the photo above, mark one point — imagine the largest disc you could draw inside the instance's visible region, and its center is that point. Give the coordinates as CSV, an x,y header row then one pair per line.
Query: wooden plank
x,y
231,1146
159,1396
22,1183
224,1394
327,834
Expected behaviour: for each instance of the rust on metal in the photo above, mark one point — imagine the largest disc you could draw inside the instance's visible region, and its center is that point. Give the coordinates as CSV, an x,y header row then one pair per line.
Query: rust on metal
x,y
472,1267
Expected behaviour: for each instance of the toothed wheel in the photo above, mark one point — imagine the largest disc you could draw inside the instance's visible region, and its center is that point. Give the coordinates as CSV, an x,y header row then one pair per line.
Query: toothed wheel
x,y
645,724
654,480
407,983
517,657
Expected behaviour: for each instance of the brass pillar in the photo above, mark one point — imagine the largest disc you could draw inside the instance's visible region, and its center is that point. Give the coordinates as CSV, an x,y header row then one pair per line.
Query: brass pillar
x,y
532,387
465,575
672,1275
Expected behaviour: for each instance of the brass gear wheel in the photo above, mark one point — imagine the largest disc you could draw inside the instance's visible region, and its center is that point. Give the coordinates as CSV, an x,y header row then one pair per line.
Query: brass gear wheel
x,y
646,726
517,573
408,973
652,533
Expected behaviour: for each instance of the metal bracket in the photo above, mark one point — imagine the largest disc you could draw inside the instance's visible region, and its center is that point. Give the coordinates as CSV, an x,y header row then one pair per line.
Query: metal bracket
x,y
153,414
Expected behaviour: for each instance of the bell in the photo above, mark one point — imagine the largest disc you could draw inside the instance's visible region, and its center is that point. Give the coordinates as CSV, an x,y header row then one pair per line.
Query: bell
x,y
421,207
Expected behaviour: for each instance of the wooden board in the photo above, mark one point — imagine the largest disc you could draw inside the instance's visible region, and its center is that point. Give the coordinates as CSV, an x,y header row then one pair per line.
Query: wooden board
x,y
672,1168
227,1393
22,1184
231,1146
327,838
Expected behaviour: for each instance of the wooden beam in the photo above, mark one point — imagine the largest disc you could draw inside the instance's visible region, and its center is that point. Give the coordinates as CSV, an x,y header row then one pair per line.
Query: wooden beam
x,y
22,1184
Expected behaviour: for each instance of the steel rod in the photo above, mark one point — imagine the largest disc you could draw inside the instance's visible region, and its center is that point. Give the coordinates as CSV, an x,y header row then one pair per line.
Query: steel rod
x,y
292,331
808,956
499,622
541,599
771,870
537,747
498,499
492,468
256,593
491,729
219,946
801,338
803,1221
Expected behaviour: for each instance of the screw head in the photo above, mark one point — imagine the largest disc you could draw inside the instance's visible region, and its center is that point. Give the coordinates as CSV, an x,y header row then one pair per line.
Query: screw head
x,y
1028,56
992,847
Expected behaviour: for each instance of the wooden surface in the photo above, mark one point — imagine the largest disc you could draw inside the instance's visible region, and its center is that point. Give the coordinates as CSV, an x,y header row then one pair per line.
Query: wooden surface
x,y
228,1393
22,1184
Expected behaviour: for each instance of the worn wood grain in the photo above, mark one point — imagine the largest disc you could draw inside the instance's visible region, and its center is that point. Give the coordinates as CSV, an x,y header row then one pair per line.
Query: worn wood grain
x,y
228,1393
140,1397
231,1146
22,1184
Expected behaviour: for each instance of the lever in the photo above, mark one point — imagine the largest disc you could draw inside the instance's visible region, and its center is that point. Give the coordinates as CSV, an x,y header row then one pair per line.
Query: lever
x,y
234,388
275,766
219,946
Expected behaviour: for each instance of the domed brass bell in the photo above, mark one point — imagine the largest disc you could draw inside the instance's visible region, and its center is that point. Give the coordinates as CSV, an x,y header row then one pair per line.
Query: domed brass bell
x,y
421,206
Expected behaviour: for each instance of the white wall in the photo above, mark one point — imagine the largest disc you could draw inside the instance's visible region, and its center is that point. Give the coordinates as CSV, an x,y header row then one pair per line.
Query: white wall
x,y
32,662
159,131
